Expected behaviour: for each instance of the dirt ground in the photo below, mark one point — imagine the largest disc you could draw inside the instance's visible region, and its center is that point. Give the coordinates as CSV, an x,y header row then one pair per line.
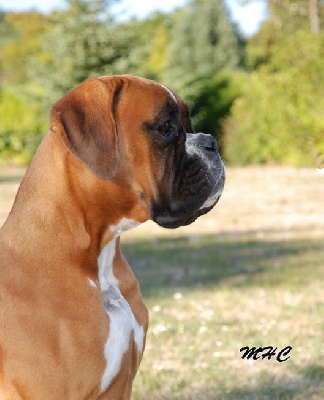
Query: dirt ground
x,y
287,201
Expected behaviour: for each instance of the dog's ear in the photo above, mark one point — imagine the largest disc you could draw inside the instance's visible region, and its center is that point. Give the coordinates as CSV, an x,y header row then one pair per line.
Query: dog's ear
x,y
85,121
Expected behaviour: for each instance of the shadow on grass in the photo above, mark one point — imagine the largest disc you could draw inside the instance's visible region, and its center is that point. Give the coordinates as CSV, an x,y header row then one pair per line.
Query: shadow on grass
x,y
270,388
163,264
273,387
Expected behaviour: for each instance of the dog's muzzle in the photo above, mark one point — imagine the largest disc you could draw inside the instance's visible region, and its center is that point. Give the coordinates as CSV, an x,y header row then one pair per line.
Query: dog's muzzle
x,y
198,184
205,147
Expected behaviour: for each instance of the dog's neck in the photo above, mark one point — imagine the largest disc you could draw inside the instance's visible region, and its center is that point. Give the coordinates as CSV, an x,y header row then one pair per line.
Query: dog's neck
x,y
77,210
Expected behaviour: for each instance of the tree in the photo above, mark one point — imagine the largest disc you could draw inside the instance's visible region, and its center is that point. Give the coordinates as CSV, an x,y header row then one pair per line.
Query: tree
x,y
279,116
83,40
203,41
21,119
21,41
21,125
213,102
291,15
7,32
156,35
313,6
298,11
286,17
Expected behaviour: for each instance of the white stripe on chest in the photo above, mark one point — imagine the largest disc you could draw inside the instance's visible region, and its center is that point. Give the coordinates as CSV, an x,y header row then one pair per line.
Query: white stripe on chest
x,y
122,320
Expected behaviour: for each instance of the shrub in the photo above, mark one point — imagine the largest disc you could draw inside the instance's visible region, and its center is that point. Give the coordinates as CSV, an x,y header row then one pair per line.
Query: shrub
x,y
21,125
279,117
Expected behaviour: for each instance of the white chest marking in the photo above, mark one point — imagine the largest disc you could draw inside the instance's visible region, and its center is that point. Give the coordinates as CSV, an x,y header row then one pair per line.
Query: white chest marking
x,y
122,324
105,262
123,225
170,93
121,317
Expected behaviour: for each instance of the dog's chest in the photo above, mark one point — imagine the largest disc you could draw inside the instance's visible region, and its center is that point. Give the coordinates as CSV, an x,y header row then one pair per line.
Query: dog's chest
x,y
122,322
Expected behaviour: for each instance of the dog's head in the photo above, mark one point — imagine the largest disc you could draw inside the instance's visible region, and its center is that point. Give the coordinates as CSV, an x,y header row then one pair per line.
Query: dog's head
x,y
138,133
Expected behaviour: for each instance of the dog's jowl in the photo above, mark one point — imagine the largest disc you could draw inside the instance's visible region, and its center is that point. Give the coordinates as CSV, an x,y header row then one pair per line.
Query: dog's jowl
x,y
120,150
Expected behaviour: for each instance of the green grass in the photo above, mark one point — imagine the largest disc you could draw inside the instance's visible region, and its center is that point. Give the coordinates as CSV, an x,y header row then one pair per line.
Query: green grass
x,y
209,296
198,261
250,273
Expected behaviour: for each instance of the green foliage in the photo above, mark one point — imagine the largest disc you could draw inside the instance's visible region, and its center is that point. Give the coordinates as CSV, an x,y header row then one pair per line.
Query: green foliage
x,y
191,54
290,15
21,41
279,118
196,51
63,49
203,42
82,41
286,17
21,125
213,100
155,32
143,54
7,33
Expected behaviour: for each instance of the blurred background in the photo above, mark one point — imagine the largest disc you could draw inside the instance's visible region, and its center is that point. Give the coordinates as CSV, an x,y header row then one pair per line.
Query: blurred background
x,y
250,272
252,71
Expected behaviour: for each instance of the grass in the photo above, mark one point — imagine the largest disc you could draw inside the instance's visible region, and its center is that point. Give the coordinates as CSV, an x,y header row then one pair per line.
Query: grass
x,y
210,295
250,273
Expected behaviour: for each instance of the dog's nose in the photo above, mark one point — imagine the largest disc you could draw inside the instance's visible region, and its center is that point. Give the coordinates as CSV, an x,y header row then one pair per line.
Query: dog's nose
x,y
207,142
202,140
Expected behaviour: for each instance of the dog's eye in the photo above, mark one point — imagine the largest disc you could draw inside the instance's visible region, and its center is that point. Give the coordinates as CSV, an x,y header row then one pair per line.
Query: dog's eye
x,y
167,129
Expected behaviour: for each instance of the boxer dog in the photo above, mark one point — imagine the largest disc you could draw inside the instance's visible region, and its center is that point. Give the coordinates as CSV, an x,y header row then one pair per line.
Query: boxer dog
x,y
120,150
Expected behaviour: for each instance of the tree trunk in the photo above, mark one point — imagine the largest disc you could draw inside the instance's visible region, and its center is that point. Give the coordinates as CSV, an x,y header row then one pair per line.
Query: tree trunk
x,y
313,15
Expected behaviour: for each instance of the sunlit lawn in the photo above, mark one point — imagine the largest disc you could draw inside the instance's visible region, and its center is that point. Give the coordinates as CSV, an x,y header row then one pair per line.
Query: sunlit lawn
x,y
251,273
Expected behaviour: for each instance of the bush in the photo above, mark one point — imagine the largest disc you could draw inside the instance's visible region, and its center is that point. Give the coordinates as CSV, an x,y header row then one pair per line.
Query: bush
x,y
279,116
21,126
213,102
211,99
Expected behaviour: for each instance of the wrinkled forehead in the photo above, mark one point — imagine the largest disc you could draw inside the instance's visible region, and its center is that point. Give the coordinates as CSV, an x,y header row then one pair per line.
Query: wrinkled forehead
x,y
153,98
176,103
157,90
